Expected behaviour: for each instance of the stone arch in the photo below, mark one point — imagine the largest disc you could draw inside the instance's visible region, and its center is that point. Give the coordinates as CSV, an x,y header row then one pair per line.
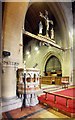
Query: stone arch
x,y
48,55
53,61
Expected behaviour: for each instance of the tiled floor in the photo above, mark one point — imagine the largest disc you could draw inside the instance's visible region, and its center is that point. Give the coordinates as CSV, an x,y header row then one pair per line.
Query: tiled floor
x,y
38,111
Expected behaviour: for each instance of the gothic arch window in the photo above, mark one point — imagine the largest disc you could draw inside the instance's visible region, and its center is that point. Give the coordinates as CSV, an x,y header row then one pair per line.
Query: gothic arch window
x,y
53,64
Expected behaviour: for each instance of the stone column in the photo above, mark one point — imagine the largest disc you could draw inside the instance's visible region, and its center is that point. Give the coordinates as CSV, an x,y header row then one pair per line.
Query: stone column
x,y
14,14
9,79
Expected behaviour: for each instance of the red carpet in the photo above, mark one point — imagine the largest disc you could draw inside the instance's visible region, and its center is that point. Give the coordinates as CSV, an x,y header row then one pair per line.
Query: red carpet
x,y
68,92
62,103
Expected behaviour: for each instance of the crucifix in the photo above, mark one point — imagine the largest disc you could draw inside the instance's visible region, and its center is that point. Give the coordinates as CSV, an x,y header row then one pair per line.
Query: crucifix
x,y
47,21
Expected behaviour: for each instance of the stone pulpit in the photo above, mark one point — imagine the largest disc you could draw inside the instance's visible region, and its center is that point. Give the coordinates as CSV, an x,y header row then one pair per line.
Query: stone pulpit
x,y
30,85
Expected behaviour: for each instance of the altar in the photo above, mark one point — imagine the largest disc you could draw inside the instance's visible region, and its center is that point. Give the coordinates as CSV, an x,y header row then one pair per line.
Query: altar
x,y
29,86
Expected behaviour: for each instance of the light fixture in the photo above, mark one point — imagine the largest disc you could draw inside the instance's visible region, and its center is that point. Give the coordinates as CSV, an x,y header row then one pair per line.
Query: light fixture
x,y
6,53
27,52
36,48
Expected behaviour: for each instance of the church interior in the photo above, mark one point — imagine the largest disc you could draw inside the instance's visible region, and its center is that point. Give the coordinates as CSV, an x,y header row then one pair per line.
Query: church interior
x,y
37,67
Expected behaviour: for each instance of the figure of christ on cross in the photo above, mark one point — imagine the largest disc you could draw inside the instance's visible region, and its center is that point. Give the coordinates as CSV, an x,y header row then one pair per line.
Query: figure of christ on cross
x,y
47,21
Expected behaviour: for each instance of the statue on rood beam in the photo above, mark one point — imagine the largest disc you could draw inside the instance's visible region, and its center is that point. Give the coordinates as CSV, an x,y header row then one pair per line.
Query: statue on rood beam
x,y
52,33
40,28
47,21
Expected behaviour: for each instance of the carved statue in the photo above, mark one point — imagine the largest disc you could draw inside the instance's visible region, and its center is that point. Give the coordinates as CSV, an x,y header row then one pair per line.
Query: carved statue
x,y
52,33
40,27
47,21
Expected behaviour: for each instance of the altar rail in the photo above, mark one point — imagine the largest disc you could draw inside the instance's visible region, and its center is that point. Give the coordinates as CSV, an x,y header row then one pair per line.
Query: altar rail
x,y
55,94
59,102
